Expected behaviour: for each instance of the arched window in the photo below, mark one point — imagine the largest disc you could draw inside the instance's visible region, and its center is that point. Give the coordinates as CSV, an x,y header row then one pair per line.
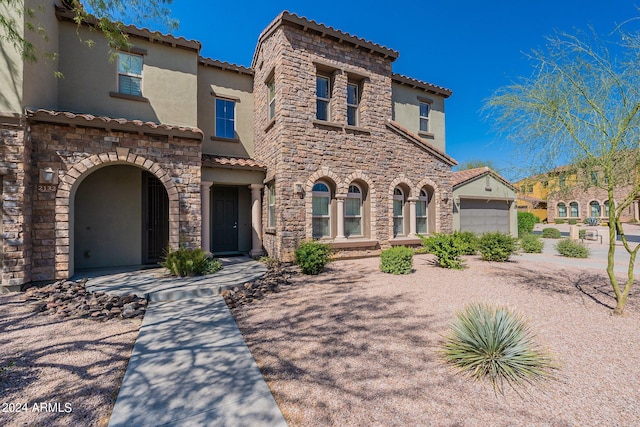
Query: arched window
x,y
398,212
595,208
421,212
321,210
353,212
562,210
573,209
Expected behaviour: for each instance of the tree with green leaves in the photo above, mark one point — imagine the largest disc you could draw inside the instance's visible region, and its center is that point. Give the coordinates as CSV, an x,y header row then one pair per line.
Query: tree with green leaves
x,y
106,16
582,103
476,163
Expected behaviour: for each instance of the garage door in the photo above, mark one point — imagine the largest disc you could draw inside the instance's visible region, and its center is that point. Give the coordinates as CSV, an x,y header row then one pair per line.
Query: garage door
x,y
482,216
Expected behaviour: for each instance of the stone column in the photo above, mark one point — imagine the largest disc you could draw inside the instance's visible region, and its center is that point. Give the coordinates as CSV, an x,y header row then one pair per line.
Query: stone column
x,y
340,219
205,198
412,216
256,220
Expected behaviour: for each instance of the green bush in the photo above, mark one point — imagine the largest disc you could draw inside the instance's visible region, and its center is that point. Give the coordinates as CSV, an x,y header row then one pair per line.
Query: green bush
x,y
531,244
444,247
396,260
466,241
496,246
572,221
593,221
526,222
559,221
551,233
312,257
492,343
189,262
582,234
572,249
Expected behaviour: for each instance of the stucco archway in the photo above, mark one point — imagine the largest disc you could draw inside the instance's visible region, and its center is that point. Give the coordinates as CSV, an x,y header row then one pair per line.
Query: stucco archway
x,y
65,197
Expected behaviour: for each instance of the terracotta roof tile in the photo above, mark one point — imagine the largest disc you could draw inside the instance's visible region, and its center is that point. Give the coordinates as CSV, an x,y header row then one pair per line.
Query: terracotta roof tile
x,y
108,122
232,162
422,84
225,65
467,175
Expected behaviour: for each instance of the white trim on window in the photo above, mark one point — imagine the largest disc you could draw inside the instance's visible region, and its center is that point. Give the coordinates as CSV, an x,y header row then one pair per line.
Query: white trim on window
x,y
271,95
225,118
425,109
129,68
398,212
323,98
422,205
353,101
271,206
353,212
321,210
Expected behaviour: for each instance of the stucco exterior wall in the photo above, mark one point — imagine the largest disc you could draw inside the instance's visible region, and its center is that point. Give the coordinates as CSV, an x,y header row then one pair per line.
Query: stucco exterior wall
x,y
584,197
169,80
11,64
298,149
406,111
214,82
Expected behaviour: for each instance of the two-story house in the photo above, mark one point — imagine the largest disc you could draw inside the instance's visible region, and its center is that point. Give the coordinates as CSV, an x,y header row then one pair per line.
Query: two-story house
x,y
162,147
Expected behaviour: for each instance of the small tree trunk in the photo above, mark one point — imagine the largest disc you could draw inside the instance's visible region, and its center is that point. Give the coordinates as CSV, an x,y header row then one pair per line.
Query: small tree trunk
x,y
619,310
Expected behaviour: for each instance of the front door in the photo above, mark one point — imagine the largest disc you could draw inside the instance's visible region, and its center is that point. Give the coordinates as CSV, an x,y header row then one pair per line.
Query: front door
x,y
155,219
225,219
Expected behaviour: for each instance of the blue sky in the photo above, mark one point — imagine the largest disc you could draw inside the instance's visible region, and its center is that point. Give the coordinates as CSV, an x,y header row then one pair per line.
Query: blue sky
x,y
470,47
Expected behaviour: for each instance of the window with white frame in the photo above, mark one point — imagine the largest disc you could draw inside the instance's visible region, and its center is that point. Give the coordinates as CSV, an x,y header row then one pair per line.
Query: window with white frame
x,y
353,212
130,74
573,209
321,210
594,207
323,97
425,108
562,210
271,203
421,212
225,118
398,212
353,100
271,86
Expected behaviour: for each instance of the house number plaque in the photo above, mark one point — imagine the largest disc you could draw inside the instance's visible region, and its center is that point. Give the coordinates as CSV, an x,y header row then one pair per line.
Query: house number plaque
x,y
47,188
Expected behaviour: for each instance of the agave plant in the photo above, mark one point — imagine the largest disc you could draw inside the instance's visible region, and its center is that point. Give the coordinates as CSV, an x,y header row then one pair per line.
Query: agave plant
x,y
496,344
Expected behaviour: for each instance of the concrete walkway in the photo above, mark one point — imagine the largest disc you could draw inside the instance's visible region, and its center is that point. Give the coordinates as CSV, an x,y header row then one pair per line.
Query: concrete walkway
x,y
190,365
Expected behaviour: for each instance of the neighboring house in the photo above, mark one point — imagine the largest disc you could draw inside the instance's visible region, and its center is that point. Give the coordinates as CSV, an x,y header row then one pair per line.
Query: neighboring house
x,y
483,202
568,194
162,147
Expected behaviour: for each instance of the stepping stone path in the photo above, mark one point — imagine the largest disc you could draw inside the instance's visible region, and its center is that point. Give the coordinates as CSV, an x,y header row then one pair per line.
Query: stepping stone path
x,y
71,299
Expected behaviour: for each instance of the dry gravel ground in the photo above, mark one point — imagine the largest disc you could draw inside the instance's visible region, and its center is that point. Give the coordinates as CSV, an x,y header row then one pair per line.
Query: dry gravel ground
x,y
72,366
354,346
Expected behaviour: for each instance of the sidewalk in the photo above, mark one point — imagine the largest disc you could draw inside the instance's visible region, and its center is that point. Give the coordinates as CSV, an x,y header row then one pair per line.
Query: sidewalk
x,y
190,365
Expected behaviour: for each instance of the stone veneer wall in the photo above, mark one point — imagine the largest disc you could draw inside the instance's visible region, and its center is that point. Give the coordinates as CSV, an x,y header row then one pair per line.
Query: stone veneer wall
x,y
15,150
298,149
75,152
584,197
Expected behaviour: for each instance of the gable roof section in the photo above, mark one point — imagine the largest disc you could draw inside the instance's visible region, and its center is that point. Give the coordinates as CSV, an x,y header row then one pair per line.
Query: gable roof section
x,y
407,134
427,87
300,22
460,178
110,123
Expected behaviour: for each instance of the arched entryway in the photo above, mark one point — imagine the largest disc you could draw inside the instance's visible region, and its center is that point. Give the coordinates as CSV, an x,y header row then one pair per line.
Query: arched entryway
x,y
121,218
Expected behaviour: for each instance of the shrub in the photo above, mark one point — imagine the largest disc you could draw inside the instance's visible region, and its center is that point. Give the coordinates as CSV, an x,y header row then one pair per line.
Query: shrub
x,y
190,262
496,344
312,257
496,246
444,247
582,234
592,221
526,222
572,249
531,244
270,262
572,221
551,233
466,241
559,221
396,260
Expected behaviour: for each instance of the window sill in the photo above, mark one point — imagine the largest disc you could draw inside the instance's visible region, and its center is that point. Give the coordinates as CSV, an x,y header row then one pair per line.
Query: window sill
x,y
355,242
270,230
270,124
222,139
426,135
405,240
129,97
335,125
357,129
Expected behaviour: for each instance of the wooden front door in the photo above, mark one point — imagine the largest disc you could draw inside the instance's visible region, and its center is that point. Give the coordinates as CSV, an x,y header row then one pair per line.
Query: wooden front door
x,y
225,219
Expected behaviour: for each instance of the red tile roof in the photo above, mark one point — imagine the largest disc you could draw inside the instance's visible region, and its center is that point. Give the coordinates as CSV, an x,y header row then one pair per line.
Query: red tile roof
x,y
429,87
90,120
225,65
461,177
232,162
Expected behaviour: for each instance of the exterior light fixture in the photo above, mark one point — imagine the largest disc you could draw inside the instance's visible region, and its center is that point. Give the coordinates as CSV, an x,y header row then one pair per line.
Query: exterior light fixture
x,y
48,176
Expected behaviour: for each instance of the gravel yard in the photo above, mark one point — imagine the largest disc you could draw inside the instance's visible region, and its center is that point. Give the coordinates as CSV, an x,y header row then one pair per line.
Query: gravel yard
x,y
57,371
354,346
